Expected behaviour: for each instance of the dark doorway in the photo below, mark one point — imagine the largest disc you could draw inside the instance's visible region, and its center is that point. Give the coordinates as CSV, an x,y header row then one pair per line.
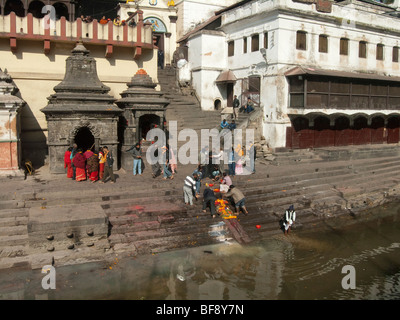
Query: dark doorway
x,y
378,130
361,132
217,104
324,135
393,130
343,133
85,139
146,123
302,135
229,94
158,39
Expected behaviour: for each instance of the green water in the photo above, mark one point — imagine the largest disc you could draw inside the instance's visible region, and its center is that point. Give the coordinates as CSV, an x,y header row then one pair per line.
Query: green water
x,y
303,265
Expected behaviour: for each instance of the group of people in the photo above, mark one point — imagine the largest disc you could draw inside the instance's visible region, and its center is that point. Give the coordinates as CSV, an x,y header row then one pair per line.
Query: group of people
x,y
86,19
214,198
89,165
93,166
236,161
225,125
168,168
217,199
117,21
246,108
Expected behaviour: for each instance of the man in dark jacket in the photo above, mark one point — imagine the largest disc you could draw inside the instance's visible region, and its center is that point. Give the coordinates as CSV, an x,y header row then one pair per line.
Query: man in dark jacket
x,y
108,166
236,105
209,200
238,199
137,158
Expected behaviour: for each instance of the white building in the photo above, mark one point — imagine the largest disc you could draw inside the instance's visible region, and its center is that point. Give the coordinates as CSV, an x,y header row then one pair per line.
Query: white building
x,y
172,19
191,13
324,73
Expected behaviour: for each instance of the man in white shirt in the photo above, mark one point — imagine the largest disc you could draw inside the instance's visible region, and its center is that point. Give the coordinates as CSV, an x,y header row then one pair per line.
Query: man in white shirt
x,y
289,219
189,189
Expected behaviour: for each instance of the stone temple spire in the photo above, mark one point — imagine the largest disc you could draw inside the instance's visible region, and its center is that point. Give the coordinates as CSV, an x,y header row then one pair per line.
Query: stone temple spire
x,y
10,106
80,111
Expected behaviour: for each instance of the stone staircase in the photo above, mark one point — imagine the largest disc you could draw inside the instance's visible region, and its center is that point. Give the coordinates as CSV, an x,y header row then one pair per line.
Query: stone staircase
x,y
185,108
317,191
147,215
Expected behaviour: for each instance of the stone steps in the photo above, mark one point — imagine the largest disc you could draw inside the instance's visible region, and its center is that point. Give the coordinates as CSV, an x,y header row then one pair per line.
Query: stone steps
x,y
185,108
308,178
151,217
334,154
11,239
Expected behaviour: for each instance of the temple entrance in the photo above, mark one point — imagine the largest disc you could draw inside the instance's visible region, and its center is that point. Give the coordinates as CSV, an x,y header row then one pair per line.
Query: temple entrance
x,y
85,139
159,30
146,123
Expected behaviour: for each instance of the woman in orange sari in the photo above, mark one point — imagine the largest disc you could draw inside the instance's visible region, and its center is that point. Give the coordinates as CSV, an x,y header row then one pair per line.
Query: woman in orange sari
x,y
68,163
80,164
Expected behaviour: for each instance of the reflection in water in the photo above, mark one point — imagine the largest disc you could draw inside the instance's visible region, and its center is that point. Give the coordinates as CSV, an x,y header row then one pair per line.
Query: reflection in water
x,y
303,265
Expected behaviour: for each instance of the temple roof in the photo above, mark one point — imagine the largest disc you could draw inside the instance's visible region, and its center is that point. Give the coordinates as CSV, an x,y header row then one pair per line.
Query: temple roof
x,y
81,90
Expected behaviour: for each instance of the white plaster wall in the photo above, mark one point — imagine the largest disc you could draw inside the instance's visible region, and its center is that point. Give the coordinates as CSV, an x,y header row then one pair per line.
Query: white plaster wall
x,y
8,122
206,61
194,12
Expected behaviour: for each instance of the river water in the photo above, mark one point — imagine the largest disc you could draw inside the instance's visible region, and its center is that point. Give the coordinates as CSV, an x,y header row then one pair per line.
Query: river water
x,y
304,265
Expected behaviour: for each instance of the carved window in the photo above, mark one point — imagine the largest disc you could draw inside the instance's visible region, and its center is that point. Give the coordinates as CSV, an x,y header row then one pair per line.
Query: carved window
x,y
245,45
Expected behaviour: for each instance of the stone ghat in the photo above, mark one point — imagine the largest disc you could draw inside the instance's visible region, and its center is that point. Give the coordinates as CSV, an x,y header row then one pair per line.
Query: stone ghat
x,y
142,215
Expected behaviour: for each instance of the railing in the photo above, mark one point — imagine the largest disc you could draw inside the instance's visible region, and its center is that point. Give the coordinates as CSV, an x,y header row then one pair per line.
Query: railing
x,y
30,28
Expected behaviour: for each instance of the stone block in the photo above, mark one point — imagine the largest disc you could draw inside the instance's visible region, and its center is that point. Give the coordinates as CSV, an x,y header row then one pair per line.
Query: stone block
x,y
66,227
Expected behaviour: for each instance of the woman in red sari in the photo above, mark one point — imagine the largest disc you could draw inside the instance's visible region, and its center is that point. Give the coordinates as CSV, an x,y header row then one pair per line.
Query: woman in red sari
x,y
67,163
93,167
80,164
102,160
